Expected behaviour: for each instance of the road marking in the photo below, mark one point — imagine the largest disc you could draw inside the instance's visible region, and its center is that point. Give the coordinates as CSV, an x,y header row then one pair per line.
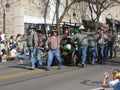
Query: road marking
x,y
20,74
8,76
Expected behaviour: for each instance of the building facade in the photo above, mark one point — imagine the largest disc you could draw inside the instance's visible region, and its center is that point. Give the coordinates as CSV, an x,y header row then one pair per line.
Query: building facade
x,y
23,13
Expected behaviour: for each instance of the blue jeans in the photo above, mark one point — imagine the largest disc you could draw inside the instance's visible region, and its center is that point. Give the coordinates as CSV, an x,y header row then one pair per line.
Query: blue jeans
x,y
23,57
32,55
110,48
106,49
93,52
38,55
101,51
52,53
82,51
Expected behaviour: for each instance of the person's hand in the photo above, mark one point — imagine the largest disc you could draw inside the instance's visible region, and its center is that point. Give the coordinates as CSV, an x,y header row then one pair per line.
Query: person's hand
x,y
47,47
35,46
106,75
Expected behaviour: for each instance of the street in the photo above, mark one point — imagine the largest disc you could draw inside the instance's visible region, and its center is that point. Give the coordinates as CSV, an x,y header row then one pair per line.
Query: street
x,y
14,76
84,35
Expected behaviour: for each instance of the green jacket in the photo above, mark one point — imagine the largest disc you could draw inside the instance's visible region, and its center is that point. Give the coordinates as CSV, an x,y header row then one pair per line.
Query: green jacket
x,y
32,40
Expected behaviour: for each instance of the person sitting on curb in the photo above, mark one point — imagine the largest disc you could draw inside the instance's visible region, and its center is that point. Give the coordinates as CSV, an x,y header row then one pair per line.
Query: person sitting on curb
x,y
115,83
15,54
4,55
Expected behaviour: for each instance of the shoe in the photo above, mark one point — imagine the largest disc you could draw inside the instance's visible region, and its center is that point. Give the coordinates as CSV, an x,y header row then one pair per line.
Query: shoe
x,y
115,56
32,68
59,67
83,65
110,57
36,65
21,61
47,69
101,62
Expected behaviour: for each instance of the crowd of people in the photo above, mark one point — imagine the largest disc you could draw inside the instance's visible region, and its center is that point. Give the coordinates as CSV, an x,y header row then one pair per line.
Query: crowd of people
x,y
13,47
101,45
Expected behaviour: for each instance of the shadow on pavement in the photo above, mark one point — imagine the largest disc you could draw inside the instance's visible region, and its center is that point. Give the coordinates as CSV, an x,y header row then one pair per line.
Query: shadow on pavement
x,y
92,83
114,62
26,66
22,66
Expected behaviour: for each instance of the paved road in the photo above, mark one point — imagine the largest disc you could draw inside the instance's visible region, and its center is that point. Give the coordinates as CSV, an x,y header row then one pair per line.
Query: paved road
x,y
17,77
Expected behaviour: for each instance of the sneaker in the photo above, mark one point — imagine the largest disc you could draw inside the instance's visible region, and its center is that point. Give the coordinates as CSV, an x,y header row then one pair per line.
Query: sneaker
x,y
32,68
36,65
47,69
92,63
59,67
110,57
21,61
115,56
83,65
101,62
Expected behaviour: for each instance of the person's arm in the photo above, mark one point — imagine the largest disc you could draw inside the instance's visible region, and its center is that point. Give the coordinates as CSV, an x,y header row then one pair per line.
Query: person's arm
x,y
106,75
46,44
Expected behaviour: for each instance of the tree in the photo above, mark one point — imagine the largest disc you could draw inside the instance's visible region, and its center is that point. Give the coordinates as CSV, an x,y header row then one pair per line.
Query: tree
x,y
98,6
67,5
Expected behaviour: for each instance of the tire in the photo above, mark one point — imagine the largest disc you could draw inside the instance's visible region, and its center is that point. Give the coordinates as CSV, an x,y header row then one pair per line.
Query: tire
x,y
74,58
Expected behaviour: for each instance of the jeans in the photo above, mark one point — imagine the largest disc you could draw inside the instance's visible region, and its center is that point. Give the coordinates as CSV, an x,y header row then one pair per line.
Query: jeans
x,y
82,51
93,52
101,51
23,57
106,48
31,54
52,53
110,49
38,55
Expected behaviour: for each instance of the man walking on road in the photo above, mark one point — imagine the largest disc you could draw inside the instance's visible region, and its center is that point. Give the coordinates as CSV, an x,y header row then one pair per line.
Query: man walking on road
x,y
32,41
82,41
39,47
53,45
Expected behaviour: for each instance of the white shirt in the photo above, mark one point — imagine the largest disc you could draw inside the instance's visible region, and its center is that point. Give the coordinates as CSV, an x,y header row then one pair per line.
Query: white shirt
x,y
114,84
14,53
2,36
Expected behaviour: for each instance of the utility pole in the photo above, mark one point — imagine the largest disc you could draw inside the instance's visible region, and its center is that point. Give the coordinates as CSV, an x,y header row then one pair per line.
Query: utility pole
x,y
7,5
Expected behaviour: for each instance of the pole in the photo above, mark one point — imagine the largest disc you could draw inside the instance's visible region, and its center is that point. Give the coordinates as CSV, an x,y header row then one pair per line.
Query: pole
x,y
3,20
7,5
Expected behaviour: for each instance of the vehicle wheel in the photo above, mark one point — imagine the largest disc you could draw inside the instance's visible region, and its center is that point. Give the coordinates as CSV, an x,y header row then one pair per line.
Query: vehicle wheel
x,y
74,58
